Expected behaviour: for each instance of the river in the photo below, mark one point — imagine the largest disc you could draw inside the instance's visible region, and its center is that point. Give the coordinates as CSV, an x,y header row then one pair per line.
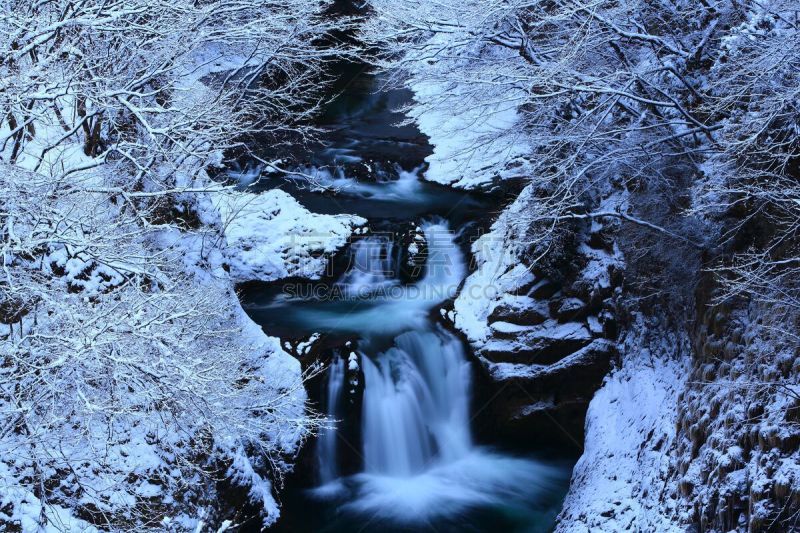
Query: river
x,y
399,452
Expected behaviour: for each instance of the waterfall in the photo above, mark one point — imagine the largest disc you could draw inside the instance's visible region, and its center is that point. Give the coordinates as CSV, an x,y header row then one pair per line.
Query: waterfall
x,y
405,185
327,445
419,459
409,428
372,267
416,396
386,307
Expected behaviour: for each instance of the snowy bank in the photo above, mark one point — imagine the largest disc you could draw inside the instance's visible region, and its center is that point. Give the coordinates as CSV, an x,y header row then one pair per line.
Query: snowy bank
x,y
271,236
475,140
618,483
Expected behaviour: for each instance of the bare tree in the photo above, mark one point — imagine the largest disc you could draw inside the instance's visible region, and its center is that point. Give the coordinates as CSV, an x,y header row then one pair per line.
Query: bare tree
x,y
616,96
129,375
121,78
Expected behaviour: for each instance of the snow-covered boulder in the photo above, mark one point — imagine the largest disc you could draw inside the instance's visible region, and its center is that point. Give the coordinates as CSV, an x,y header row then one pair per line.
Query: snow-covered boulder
x,y
271,236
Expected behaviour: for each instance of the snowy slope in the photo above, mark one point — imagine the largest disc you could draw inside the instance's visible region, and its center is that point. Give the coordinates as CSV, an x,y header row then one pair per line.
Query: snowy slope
x,y
620,482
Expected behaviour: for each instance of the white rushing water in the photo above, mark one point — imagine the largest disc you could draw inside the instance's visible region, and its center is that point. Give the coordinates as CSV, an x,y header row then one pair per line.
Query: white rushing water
x,y
372,268
406,185
416,400
419,457
405,381
327,455
392,307
402,186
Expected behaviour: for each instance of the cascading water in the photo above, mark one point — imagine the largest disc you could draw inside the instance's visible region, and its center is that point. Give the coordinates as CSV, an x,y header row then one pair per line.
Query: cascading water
x,y
327,446
406,185
416,399
416,394
421,469
419,459
372,268
420,464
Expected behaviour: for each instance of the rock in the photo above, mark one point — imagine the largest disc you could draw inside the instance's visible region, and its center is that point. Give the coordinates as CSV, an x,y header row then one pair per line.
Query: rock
x,y
544,289
416,253
590,362
600,237
525,285
570,309
531,401
610,325
542,345
520,310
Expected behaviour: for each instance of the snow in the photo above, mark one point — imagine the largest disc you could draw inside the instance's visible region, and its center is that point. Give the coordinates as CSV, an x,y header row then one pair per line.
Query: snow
x,y
462,155
271,236
499,272
617,483
507,327
24,507
352,362
594,325
623,480
511,339
737,444
475,140
597,270
304,347
136,331
509,371
242,472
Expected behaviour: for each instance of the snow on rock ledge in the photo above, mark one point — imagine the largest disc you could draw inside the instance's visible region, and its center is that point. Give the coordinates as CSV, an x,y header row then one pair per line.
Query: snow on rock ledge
x,y
551,337
468,146
270,236
500,272
475,140
618,483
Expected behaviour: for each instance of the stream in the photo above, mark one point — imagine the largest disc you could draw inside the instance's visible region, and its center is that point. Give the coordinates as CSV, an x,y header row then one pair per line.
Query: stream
x,y
398,453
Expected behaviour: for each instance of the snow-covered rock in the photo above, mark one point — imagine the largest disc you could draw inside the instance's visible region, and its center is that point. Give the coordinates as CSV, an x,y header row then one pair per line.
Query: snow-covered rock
x,y
618,483
271,236
547,337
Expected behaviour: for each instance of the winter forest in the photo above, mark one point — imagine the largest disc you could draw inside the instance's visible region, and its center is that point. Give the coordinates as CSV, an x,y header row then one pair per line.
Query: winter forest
x,y
400,265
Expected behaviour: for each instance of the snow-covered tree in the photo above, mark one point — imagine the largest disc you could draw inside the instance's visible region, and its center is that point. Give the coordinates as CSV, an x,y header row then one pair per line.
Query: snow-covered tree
x,y
125,382
121,78
132,383
653,98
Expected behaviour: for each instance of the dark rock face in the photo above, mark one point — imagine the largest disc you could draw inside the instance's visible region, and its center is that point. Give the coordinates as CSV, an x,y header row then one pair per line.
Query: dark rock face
x,y
414,253
521,310
547,402
736,456
550,346
543,289
320,350
350,458
570,309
